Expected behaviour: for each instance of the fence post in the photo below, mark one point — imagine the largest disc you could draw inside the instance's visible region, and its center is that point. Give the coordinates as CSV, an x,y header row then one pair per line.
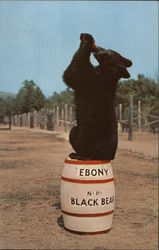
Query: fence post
x,y
57,115
66,117
120,118
28,119
71,118
54,118
15,120
130,135
62,118
21,120
139,116
35,118
45,118
10,121
18,119
120,112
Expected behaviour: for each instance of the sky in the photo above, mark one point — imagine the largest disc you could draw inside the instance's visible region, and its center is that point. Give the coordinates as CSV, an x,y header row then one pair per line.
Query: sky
x,y
39,38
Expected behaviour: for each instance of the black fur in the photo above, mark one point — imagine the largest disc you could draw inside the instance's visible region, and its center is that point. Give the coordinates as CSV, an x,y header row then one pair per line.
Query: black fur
x,y
95,136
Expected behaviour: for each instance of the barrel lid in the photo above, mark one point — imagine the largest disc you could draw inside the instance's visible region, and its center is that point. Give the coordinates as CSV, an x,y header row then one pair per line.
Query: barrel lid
x,y
85,162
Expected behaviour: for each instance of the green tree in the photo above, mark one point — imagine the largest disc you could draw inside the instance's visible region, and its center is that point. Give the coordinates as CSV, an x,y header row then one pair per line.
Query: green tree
x,y
9,106
39,99
29,98
143,89
65,97
2,109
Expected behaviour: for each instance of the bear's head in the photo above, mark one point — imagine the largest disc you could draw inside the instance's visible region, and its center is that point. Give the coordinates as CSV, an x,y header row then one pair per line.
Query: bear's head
x,y
112,63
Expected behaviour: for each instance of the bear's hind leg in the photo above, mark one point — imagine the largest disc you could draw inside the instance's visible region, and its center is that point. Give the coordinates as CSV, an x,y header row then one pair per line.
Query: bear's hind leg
x,y
76,145
73,138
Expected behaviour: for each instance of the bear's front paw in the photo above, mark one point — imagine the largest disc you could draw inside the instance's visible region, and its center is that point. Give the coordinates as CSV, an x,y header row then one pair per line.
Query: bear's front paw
x,y
85,37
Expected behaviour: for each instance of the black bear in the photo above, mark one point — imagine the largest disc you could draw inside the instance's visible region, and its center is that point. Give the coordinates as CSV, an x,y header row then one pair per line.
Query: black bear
x,y
96,136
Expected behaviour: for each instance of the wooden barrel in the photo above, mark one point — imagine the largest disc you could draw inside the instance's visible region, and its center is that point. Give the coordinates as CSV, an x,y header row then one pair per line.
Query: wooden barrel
x,y
87,196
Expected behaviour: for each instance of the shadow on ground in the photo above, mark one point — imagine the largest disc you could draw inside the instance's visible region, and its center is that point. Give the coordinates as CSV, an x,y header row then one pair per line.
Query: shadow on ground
x,y
4,129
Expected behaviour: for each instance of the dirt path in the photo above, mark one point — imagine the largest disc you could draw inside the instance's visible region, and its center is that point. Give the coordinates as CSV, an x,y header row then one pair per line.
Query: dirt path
x,y
143,144
30,217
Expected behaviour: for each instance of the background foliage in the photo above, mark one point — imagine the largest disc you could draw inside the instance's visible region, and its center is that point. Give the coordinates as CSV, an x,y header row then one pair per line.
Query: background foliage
x,y
30,97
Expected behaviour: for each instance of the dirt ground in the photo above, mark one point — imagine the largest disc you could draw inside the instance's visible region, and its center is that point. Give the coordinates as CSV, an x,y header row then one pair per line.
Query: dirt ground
x,y
31,163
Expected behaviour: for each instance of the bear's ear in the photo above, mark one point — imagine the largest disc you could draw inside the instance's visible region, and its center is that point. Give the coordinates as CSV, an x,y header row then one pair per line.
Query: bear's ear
x,y
126,62
123,72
